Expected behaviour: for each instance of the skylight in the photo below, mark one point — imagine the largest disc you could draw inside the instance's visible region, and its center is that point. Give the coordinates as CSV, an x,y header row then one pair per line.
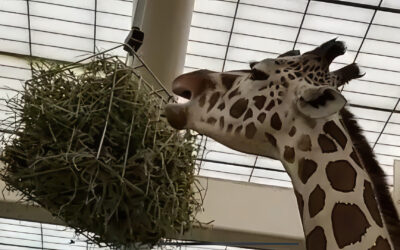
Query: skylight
x,y
227,35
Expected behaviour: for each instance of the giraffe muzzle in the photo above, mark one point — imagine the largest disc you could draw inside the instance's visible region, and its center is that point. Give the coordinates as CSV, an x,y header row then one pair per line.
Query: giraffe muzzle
x,y
176,115
191,85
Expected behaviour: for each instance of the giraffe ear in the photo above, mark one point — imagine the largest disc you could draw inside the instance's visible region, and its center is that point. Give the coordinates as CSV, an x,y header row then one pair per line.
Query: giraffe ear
x,y
318,102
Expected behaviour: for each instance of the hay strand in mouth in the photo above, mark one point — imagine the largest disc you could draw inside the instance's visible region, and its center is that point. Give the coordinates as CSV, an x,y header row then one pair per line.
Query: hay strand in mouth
x,y
90,146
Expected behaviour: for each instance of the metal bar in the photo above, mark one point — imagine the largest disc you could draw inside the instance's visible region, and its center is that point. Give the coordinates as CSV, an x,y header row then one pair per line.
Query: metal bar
x,y
241,165
370,94
396,184
41,235
375,108
202,153
384,126
294,27
79,8
61,34
63,20
245,62
225,172
282,40
48,45
252,170
301,24
361,5
29,34
230,35
313,14
138,16
95,27
20,246
366,33
352,4
14,67
149,70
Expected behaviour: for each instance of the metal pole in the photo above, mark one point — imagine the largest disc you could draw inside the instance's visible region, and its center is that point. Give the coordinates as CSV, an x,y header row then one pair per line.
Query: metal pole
x,y
396,184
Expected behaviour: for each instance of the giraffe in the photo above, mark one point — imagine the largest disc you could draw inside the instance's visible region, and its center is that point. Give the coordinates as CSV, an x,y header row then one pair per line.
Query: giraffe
x,y
289,108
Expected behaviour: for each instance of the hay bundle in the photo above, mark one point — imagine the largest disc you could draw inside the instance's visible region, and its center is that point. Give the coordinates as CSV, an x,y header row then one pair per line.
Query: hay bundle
x,y
92,149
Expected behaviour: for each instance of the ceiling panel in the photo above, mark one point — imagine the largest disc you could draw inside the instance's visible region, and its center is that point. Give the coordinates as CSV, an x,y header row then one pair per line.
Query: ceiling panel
x,y
64,30
391,4
289,5
339,12
114,6
67,13
387,19
261,29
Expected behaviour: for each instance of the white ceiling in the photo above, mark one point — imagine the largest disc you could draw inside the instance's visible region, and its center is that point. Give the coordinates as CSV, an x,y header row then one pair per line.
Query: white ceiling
x,y
227,35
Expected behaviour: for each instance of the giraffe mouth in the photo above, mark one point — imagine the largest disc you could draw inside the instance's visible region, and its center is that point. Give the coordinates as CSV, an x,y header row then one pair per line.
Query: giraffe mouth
x,y
176,115
188,86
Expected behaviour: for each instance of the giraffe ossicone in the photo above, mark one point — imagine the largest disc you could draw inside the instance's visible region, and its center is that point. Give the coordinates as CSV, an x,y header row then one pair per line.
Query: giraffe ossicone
x,y
290,109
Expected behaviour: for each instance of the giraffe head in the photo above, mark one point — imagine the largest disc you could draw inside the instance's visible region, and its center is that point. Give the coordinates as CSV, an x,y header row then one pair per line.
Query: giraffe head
x,y
247,110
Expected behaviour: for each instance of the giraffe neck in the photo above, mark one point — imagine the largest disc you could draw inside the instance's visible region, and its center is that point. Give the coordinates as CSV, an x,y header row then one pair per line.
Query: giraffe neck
x,y
334,191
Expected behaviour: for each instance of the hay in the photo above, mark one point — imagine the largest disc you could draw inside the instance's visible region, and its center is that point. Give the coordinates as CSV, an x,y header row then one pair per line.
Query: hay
x,y
91,147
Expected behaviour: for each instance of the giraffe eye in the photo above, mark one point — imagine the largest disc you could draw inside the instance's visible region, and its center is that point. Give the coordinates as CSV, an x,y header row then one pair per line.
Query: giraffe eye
x,y
258,75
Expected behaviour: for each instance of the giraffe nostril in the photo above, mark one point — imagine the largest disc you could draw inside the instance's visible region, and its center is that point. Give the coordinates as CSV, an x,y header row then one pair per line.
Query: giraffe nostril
x,y
186,94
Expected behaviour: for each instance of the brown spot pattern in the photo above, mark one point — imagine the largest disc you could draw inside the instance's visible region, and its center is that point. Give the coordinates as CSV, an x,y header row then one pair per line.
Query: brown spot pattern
x,y
234,93
213,100
289,154
202,100
349,224
211,120
372,205
259,101
341,175
229,128
306,169
270,105
326,144
300,203
238,108
304,143
248,114
261,117
355,158
336,133
221,106
292,131
276,122
238,129
316,239
250,130
381,244
271,139
221,122
228,80
258,75
316,202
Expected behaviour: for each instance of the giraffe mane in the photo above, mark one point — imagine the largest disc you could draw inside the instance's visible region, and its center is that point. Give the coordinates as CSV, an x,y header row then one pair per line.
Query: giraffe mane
x,y
377,175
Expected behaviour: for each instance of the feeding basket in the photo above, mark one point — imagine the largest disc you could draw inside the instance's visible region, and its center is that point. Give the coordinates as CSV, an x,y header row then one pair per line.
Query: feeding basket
x,y
90,145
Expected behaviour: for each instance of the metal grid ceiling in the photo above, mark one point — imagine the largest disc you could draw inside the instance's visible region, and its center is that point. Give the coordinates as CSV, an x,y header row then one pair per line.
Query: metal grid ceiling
x,y
18,235
22,235
61,30
228,34
58,30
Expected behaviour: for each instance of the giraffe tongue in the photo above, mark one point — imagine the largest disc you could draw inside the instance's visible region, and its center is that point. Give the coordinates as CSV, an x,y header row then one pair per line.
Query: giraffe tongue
x,y
176,115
